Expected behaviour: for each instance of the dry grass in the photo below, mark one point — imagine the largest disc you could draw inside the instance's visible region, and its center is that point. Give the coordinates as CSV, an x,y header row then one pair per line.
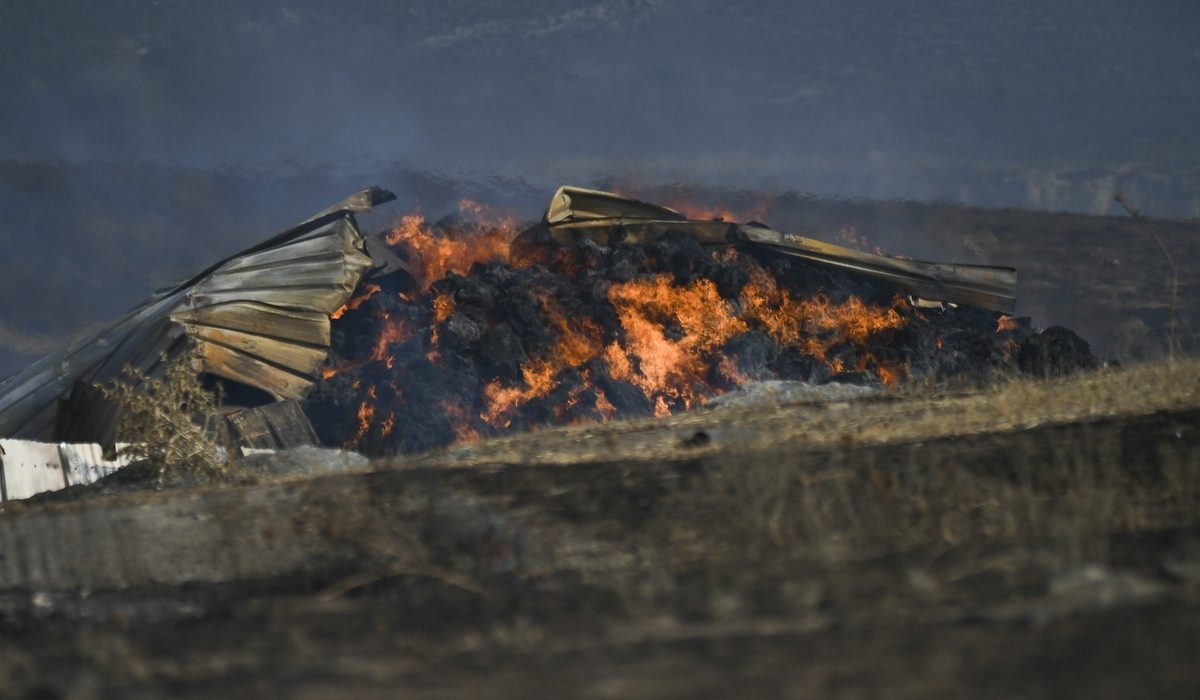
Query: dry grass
x,y
915,414
1018,480
1043,472
1066,498
164,421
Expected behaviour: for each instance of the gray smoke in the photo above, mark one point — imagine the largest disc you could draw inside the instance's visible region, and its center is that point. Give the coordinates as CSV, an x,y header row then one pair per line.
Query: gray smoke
x,y
140,142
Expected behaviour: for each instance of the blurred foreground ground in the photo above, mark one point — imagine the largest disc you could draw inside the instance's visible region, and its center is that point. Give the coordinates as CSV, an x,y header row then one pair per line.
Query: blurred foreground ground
x,y
1025,540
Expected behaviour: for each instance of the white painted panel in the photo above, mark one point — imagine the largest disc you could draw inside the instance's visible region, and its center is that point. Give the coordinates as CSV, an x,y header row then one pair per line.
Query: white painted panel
x,y
31,468
86,463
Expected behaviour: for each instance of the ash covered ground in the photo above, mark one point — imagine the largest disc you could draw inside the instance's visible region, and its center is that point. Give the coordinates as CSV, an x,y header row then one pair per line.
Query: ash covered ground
x,y
490,341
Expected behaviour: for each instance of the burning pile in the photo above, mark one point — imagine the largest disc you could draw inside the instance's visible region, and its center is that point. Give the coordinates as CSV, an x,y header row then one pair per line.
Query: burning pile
x,y
493,338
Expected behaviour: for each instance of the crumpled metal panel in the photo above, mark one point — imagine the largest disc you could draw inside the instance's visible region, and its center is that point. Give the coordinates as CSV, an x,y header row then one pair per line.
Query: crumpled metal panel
x,y
260,317
307,327
572,204
575,213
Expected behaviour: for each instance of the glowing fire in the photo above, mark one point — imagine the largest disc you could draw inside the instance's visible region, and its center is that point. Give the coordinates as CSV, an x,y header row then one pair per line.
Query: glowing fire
x,y
668,340
366,414
393,332
672,373
502,401
435,253
364,293
670,370
460,421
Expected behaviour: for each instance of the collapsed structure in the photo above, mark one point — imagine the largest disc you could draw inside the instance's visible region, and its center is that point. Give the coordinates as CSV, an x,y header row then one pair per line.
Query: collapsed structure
x,y
259,320
575,213
259,323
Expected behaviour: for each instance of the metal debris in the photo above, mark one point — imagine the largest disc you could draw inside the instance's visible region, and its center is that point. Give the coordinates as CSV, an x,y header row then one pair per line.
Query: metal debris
x,y
575,213
276,426
28,468
259,319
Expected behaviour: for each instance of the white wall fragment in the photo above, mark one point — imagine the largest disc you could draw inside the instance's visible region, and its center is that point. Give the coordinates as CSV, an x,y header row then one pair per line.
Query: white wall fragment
x,y
30,467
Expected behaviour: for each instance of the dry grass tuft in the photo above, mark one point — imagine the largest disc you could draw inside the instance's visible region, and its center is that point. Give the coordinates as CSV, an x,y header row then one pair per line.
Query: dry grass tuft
x,y
163,421
1058,497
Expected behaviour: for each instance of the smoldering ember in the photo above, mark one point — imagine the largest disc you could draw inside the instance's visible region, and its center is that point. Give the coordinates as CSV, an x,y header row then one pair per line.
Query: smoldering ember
x,y
427,335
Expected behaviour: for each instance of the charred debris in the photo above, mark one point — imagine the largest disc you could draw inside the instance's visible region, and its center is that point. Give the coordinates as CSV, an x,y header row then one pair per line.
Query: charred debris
x,y
607,308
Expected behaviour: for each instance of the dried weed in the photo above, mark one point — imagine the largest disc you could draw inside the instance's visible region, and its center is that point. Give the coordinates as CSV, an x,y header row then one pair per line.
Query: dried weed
x,y
163,424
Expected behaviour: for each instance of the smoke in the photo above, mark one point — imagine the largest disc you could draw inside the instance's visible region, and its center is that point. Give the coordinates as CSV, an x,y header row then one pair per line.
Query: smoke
x,y
878,99
142,141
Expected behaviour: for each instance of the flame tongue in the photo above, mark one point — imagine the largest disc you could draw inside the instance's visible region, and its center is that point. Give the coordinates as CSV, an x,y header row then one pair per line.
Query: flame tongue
x,y
492,343
450,248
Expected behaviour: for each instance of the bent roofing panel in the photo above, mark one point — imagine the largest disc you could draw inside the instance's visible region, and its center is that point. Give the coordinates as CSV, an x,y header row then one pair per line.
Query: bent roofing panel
x,y
24,397
309,327
287,281
577,203
576,213
240,367
300,358
31,468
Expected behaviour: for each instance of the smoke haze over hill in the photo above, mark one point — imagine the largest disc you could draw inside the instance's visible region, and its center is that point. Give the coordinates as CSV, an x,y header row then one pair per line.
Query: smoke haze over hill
x,y
140,142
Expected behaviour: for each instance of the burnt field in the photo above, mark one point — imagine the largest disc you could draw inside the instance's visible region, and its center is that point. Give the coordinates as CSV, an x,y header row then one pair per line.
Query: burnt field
x,y
1002,532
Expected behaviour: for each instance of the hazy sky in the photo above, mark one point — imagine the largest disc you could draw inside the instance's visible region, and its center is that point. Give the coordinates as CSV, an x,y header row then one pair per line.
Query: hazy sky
x,y
141,140
910,99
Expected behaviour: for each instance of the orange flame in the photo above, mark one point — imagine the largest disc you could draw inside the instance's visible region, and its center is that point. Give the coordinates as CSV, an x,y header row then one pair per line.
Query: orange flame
x,y
392,331
1010,346
366,414
437,253
671,370
579,339
364,292
668,343
503,401
443,306
460,422
603,406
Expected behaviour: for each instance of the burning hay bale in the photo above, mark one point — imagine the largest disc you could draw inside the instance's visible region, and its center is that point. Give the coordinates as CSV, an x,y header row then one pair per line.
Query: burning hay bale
x,y
637,312
607,308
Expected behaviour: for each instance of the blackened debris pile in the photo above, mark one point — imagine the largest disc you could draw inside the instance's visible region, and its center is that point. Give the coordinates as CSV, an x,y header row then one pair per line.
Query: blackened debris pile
x,y
493,341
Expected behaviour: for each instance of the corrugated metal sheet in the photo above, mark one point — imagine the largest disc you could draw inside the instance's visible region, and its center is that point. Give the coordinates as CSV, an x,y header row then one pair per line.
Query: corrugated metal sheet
x,y
30,468
575,213
260,318
85,463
